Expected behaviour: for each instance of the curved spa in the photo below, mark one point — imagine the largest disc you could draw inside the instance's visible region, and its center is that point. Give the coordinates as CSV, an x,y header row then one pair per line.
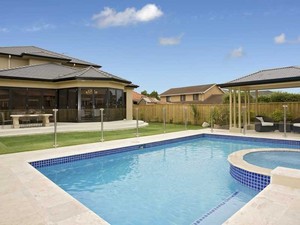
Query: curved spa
x,y
252,167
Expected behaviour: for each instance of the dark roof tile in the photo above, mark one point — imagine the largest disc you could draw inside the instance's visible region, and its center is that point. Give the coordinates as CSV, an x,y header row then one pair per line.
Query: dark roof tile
x,y
263,76
56,72
39,52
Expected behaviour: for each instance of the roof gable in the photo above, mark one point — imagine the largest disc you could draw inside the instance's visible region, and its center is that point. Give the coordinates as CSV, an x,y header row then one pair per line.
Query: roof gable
x,y
92,73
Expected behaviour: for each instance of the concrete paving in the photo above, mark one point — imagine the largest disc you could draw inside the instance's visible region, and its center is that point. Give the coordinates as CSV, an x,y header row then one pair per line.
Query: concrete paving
x,y
7,130
29,198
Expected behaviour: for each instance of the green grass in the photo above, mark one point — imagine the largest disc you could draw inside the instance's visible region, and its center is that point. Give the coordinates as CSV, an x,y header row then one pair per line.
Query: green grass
x,y
23,143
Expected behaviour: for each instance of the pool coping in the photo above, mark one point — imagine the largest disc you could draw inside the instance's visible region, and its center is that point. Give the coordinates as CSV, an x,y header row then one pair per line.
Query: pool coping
x,y
36,200
237,159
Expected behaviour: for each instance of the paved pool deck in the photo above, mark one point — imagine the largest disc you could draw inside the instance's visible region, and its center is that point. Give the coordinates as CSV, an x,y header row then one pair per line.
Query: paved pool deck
x,y
29,198
7,130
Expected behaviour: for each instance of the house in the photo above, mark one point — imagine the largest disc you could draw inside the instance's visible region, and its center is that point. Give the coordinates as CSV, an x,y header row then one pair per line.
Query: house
x,y
33,79
136,97
145,100
205,94
139,99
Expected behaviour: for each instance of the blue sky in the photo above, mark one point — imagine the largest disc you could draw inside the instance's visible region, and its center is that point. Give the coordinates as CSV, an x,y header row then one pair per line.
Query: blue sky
x,y
161,44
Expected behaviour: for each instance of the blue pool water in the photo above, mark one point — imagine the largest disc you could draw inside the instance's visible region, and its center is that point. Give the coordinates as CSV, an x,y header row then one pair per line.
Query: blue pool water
x,y
274,158
181,183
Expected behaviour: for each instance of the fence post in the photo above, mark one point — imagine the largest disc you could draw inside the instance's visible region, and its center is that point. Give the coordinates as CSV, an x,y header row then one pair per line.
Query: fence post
x,y
164,118
211,119
101,114
55,128
137,122
284,119
185,117
244,119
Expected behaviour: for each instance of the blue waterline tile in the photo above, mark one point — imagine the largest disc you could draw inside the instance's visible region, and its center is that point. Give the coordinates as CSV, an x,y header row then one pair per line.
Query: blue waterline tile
x,y
66,159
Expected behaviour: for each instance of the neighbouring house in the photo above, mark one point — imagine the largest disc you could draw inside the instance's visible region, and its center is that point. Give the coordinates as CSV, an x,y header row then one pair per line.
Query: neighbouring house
x,y
139,99
205,94
136,97
33,80
148,101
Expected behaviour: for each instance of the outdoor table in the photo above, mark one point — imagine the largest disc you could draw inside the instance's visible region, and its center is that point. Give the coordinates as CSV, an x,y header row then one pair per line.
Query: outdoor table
x,y
16,118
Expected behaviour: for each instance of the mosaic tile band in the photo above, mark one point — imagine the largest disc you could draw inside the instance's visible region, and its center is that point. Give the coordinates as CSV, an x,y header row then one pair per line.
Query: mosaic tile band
x,y
66,159
250,179
199,221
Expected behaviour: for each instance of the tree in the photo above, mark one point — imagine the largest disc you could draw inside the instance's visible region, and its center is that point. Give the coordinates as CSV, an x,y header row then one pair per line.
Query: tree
x,y
153,94
144,92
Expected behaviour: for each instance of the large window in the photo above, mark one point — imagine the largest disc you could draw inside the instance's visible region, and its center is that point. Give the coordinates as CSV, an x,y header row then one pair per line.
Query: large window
x,y
168,99
4,99
100,96
182,98
34,100
196,97
18,98
74,104
49,99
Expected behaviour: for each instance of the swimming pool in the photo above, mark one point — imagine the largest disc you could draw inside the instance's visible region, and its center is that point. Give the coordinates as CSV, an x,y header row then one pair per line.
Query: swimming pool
x,y
176,183
272,159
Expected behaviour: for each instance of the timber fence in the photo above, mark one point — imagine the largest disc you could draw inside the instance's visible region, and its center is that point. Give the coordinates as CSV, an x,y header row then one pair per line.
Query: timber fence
x,y
196,114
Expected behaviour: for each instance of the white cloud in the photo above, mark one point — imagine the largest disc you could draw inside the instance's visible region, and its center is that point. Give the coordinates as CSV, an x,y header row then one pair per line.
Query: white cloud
x,y
280,39
39,27
3,30
237,53
170,40
109,17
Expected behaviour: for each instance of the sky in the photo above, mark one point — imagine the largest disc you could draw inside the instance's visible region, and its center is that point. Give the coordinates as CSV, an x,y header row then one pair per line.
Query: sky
x,y
160,45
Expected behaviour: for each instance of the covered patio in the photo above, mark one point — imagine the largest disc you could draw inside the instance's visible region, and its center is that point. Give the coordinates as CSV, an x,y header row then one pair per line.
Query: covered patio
x,y
240,98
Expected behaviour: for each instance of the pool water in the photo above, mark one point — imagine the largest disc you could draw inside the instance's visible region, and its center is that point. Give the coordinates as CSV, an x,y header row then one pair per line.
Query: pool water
x,y
180,183
272,159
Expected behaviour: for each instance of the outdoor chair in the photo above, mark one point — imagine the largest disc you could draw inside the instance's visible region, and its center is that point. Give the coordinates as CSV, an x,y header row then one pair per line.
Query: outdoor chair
x,y
264,124
296,125
3,120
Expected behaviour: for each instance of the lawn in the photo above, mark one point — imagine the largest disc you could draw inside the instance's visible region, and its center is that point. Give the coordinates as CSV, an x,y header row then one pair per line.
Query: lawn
x,y
23,143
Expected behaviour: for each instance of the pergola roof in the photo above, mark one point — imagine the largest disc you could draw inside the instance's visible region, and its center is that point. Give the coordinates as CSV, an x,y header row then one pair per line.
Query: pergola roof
x,y
285,77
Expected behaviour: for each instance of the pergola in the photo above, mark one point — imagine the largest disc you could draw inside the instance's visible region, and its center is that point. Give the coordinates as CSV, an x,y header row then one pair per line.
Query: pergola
x,y
277,78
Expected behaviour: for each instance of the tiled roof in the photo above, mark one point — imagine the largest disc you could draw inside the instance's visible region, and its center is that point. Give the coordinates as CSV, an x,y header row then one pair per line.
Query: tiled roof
x,y
56,72
187,90
92,73
136,96
269,75
39,52
50,71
